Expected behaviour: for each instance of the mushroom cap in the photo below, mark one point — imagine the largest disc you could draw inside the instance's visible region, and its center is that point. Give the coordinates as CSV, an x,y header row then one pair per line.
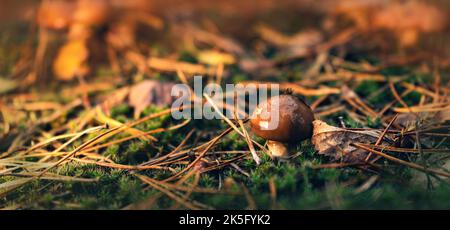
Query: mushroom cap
x,y
294,119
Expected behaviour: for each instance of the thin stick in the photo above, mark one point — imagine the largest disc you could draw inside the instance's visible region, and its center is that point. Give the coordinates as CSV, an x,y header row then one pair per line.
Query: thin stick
x,y
382,136
183,142
402,162
166,191
399,99
202,154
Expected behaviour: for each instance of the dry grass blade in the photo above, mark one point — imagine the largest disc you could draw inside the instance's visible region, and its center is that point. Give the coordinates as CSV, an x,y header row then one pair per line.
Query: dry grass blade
x,y
297,88
418,89
89,130
249,143
102,118
43,143
397,97
190,190
75,151
125,167
402,162
216,108
406,150
121,140
224,163
273,191
51,176
354,100
433,107
201,155
336,165
170,194
167,156
163,64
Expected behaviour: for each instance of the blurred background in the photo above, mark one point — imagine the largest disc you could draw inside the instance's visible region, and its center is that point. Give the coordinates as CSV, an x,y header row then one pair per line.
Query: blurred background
x,y
60,40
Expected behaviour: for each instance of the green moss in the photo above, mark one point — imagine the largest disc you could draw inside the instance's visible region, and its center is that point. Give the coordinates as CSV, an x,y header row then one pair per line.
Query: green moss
x,y
187,57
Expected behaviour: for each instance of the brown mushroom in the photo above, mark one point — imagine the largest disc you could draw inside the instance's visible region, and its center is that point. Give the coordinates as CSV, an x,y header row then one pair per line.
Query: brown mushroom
x,y
294,123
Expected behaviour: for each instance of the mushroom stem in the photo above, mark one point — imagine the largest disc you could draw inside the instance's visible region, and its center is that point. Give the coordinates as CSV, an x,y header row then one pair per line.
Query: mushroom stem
x,y
278,149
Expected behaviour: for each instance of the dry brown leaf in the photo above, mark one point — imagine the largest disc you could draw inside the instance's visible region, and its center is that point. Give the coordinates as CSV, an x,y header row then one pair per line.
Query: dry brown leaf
x,y
150,92
336,142
71,59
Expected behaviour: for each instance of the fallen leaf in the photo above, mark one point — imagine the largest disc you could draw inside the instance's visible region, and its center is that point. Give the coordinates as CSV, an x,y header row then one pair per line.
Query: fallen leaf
x,y
336,142
150,92
71,59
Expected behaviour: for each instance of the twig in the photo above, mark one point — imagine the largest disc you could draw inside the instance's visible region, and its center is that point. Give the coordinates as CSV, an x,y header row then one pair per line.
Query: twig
x,y
402,162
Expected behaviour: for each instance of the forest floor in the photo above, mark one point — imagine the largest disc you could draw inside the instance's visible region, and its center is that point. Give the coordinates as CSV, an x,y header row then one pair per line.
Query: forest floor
x,y
56,153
